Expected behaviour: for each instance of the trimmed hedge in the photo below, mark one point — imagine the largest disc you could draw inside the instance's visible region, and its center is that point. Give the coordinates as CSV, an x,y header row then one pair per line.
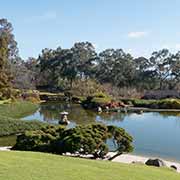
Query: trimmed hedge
x,y
92,102
154,104
81,140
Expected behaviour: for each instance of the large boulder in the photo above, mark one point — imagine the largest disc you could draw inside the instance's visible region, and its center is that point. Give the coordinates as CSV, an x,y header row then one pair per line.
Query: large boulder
x,y
155,162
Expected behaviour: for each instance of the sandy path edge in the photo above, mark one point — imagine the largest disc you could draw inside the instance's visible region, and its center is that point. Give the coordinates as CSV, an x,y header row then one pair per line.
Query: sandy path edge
x,y
129,158
5,148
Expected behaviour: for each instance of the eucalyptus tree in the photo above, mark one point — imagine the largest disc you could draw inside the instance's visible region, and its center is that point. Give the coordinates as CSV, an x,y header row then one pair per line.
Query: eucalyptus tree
x,y
175,71
69,64
84,56
124,69
117,67
44,63
105,65
161,62
65,66
8,53
145,77
76,62
26,73
10,45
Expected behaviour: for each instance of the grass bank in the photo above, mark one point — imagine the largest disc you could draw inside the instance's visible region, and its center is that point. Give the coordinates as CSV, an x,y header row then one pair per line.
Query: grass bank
x,y
17,109
154,104
10,115
39,166
10,126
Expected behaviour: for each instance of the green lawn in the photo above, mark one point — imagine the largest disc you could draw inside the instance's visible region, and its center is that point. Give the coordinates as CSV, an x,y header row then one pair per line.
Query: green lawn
x,y
17,109
10,115
39,166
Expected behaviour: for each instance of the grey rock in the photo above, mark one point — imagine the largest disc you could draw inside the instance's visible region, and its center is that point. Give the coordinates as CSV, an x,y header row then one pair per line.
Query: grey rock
x,y
155,162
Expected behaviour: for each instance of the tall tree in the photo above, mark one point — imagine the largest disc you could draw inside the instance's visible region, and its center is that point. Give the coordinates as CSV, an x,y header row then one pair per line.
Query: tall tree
x,y
44,62
145,75
25,73
84,56
117,67
161,64
8,53
175,71
69,64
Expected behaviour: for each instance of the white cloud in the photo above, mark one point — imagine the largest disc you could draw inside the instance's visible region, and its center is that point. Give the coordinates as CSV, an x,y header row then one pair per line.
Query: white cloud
x,y
50,15
137,34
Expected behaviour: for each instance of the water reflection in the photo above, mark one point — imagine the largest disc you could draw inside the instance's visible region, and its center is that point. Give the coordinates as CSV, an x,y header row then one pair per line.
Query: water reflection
x,y
50,112
167,114
111,117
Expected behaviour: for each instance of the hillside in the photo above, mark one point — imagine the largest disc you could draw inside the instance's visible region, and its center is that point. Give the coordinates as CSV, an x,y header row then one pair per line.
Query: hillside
x,y
39,166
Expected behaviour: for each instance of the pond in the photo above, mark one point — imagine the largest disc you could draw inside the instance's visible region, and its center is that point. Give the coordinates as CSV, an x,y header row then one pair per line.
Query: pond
x,y
155,134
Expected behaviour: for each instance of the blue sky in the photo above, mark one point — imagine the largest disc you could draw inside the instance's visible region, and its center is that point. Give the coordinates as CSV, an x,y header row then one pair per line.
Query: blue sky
x,y
137,26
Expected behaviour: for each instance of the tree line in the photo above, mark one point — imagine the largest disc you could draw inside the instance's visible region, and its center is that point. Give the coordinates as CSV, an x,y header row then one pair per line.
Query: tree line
x,y
59,68
114,66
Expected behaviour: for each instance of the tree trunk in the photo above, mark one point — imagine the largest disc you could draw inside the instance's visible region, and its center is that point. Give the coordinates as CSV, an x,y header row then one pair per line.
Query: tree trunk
x,y
71,83
113,157
161,84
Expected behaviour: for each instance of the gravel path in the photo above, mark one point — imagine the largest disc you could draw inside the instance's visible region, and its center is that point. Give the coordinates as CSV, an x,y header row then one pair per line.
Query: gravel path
x,y
6,148
128,158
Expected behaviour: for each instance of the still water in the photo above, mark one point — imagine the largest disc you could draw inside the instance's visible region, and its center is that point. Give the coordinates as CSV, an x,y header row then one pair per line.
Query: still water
x,y
155,134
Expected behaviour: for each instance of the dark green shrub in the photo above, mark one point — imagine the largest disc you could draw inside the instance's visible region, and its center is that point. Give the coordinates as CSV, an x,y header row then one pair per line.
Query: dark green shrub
x,y
169,104
121,138
82,140
155,104
39,140
142,102
93,102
